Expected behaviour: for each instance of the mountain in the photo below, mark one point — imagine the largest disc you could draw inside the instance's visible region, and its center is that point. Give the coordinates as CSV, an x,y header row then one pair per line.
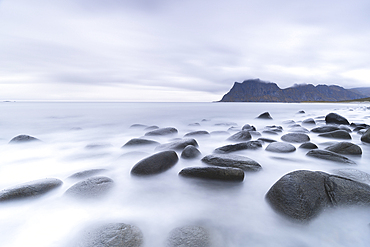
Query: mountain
x,y
362,90
256,90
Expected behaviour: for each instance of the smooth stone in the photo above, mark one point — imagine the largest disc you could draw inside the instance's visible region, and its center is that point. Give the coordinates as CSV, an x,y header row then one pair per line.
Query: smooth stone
x,y
249,127
345,148
156,163
197,133
23,139
178,145
239,146
215,173
270,132
153,127
91,188
334,118
229,160
299,129
309,121
295,137
87,173
345,128
324,129
30,189
274,128
138,126
308,145
243,135
140,142
265,115
110,235
189,236
190,152
337,134
280,147
162,132
268,140
328,155
353,174
366,136
255,133
301,112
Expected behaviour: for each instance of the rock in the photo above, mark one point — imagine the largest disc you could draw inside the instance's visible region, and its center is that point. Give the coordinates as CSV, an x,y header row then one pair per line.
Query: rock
x,y
280,147
112,235
155,163
23,139
87,173
298,129
98,146
301,112
308,145
334,118
337,134
266,140
274,128
153,127
270,132
309,121
138,126
190,152
189,236
345,128
243,135
139,142
178,145
194,124
215,173
327,155
31,189
162,132
265,115
91,188
345,148
295,137
248,127
353,174
226,124
366,136
197,133
324,129
255,133
239,146
228,160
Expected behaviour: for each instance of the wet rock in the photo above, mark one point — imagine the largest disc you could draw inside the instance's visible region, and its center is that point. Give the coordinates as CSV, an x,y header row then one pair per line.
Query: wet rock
x,y
112,235
328,155
324,129
189,236
353,174
345,148
239,146
215,173
23,139
162,132
91,188
152,127
31,189
140,142
255,133
265,115
268,140
249,127
337,134
308,145
156,163
366,136
301,112
310,121
274,128
87,173
194,124
298,129
197,133
243,135
138,126
229,160
178,145
190,152
280,147
295,137
345,128
334,118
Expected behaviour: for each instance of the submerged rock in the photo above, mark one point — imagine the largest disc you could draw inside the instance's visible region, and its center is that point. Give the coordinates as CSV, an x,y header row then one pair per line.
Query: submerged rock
x,y
190,152
229,160
87,173
189,236
215,173
324,129
249,127
197,133
337,134
345,148
243,135
239,146
334,118
178,145
91,188
139,142
162,132
309,121
266,140
31,189
23,139
308,145
328,155
366,136
280,147
156,163
265,115
295,137
353,174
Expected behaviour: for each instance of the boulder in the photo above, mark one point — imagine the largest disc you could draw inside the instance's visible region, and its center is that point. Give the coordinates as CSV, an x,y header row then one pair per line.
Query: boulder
x,y
309,121
229,160
91,188
254,133
138,126
337,134
190,152
140,142
295,137
23,139
324,129
266,140
298,129
334,118
328,155
249,127
214,173
265,115
345,128
353,174
243,135
152,127
308,145
162,132
197,133
274,128
87,173
156,163
280,147
239,146
178,145
366,136
31,189
345,148
189,236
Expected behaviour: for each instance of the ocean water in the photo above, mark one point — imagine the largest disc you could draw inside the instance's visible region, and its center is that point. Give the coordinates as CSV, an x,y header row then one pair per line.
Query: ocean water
x,y
236,213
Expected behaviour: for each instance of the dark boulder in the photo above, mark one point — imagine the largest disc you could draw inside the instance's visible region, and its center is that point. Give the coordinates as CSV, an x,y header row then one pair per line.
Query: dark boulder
x,y
239,146
366,136
214,173
268,140
87,173
152,127
298,129
328,155
265,115
228,160
345,148
243,135
249,127
155,164
23,139
324,129
334,118
178,145
162,132
295,137
31,189
280,147
308,145
309,121
91,188
189,236
140,142
274,128
337,134
190,152
197,133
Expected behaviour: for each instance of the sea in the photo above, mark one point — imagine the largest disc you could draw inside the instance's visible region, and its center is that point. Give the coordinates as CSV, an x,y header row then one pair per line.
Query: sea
x,y
79,136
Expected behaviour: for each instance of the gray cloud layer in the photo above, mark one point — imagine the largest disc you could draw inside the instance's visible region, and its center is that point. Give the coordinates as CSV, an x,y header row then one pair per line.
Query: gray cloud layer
x,y
163,50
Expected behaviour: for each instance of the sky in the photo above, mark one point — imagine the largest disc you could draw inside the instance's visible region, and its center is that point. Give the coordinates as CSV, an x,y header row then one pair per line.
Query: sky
x,y
177,51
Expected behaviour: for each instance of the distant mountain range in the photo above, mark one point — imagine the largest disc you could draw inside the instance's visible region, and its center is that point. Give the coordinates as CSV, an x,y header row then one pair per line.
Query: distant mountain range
x,y
256,90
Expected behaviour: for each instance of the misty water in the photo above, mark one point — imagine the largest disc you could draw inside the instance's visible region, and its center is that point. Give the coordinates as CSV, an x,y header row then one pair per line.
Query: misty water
x,y
81,136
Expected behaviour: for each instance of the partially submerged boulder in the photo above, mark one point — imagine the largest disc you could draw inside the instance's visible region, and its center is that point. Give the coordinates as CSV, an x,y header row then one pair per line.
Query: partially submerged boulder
x,y
265,115
189,236
345,148
178,145
337,134
243,135
162,132
308,145
239,146
334,118
214,173
328,155
229,160
91,188
190,152
86,173
366,136
23,139
156,163
135,142
198,133
280,147
295,137
324,129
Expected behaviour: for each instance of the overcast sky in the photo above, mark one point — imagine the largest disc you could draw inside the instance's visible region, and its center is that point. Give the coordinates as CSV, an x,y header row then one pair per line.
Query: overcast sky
x,y
177,50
